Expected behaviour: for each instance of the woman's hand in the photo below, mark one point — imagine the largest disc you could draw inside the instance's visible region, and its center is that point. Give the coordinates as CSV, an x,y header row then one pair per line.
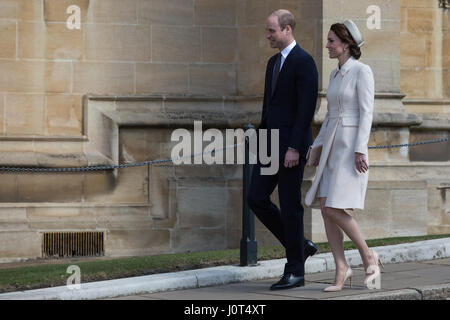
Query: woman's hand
x,y
316,163
361,162
313,156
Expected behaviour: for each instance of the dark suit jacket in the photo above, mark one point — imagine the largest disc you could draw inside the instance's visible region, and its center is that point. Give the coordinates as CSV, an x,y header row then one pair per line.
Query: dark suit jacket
x,y
291,107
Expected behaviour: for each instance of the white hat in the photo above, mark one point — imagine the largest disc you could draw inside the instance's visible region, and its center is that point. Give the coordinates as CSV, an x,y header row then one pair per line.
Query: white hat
x,y
354,31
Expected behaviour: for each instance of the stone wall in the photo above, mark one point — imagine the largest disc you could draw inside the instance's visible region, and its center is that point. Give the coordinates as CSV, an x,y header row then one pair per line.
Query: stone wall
x,y
113,91
425,77
123,47
425,51
425,80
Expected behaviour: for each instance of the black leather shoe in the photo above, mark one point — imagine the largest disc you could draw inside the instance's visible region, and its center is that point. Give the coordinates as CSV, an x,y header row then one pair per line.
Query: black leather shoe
x,y
310,249
289,280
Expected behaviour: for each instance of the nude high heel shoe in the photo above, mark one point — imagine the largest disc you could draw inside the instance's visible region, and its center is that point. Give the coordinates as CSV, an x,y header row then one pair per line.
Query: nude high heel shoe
x,y
376,256
371,278
348,275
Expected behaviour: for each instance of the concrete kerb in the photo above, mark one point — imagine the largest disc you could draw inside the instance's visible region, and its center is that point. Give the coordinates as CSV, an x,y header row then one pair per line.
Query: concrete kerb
x,y
435,292
441,291
402,294
417,251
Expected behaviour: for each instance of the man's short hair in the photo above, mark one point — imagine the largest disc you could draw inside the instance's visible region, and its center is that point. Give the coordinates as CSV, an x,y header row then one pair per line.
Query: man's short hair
x,y
285,18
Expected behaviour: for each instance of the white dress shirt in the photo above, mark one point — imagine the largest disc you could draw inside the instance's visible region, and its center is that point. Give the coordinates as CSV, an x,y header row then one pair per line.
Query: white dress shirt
x,y
285,52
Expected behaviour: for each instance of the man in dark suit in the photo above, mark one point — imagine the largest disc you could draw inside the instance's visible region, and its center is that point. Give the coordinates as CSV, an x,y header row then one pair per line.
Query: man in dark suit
x,y
290,95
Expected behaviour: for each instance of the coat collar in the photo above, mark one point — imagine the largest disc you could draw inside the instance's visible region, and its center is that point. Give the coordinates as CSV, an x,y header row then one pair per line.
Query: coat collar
x,y
285,52
346,67
292,52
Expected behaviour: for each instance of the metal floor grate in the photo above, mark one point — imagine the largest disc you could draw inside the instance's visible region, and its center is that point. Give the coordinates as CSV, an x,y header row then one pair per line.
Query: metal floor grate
x,y
72,244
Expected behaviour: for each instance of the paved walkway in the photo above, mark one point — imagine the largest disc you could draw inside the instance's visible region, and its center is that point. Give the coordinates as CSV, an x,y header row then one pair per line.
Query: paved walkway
x,y
412,280
419,270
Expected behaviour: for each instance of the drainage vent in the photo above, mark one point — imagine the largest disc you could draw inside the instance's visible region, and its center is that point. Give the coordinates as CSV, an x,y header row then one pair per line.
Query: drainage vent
x,y
72,244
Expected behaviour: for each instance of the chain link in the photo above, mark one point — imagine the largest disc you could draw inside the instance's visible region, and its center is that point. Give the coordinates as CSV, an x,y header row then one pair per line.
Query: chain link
x,y
152,162
410,144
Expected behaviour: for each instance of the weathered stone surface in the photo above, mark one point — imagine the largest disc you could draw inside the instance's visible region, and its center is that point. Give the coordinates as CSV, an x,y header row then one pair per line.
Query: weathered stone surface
x,y
23,244
384,42
9,191
175,44
409,209
35,76
129,186
64,114
212,79
103,78
2,117
215,13
8,35
49,218
120,217
423,84
113,11
198,239
425,26
249,77
375,219
201,207
430,152
162,78
172,12
135,242
386,74
234,213
118,42
25,114
49,41
27,10
252,12
421,19
50,187
219,44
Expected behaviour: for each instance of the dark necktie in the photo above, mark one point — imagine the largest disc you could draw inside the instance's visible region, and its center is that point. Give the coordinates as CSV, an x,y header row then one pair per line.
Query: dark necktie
x,y
276,71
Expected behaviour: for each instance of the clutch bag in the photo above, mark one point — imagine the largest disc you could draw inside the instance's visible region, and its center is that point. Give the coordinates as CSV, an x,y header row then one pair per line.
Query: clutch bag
x,y
313,155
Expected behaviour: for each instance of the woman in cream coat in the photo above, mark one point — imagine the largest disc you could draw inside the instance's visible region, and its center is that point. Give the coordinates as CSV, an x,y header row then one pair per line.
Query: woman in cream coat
x,y
342,174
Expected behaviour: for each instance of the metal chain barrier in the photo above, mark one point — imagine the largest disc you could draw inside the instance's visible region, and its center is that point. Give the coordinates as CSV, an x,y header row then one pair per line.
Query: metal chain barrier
x,y
150,162
410,144
108,167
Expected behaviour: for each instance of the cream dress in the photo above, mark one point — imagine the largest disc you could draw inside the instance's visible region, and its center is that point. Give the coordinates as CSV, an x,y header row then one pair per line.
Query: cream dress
x,y
345,130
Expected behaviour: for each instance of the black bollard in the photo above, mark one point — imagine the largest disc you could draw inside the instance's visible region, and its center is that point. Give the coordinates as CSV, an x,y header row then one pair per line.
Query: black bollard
x,y
249,245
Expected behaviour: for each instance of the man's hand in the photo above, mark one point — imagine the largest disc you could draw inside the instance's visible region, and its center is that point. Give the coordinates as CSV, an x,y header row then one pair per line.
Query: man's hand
x,y
291,158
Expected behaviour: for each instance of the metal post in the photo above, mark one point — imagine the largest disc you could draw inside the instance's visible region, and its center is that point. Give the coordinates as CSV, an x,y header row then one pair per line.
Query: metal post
x,y
248,242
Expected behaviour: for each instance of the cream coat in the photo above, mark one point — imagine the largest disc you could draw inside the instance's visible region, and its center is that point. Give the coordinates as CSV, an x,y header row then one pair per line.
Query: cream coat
x,y
345,130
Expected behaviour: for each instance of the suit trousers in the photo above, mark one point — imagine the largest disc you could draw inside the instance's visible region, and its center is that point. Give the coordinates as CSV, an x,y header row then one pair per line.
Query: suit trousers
x,y
286,223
